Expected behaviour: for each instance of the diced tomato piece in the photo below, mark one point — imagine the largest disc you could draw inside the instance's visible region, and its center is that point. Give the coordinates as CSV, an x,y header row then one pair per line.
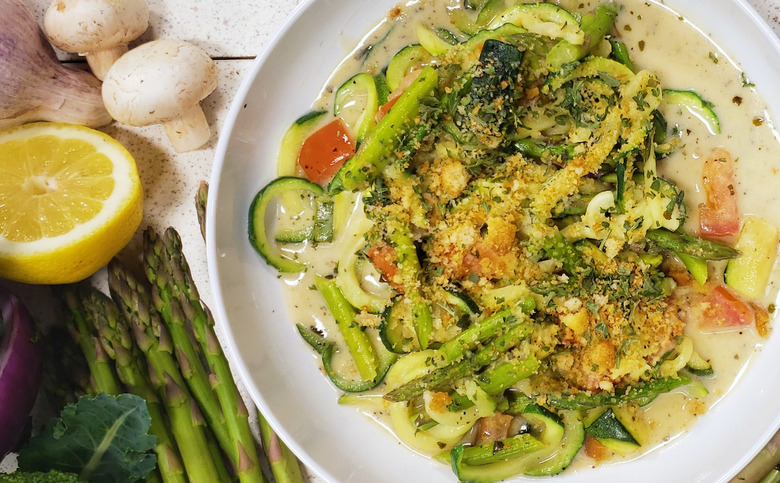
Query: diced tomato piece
x,y
396,94
384,257
323,153
719,215
485,261
725,311
595,449
385,108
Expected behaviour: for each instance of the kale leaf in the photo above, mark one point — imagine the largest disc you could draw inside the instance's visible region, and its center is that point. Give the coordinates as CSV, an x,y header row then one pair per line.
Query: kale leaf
x,y
101,438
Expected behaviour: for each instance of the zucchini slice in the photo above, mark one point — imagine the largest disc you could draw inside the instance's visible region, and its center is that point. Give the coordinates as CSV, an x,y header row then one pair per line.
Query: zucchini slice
x,y
430,439
290,150
489,11
349,282
326,349
461,301
431,41
595,25
287,163
323,222
397,328
295,235
611,432
406,61
545,424
749,273
258,231
321,231
593,67
502,33
562,454
356,103
551,459
467,410
699,366
696,105
544,19
474,4
460,306
463,19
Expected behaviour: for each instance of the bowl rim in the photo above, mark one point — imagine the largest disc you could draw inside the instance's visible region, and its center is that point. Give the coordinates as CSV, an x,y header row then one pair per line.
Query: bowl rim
x,y
221,317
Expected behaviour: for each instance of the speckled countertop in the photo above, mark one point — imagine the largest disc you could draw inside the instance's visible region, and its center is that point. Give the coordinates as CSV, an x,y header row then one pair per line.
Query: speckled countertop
x,y
233,32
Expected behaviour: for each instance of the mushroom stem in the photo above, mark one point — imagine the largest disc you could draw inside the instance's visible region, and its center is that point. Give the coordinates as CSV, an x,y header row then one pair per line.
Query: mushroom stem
x,y
188,131
101,60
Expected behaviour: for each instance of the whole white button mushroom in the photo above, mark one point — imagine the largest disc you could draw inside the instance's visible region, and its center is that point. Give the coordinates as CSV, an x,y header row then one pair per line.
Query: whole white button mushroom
x,y
163,82
98,29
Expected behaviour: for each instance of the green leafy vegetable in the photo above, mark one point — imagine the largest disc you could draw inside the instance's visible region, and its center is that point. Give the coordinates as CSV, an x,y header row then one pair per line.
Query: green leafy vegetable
x,y
39,477
101,438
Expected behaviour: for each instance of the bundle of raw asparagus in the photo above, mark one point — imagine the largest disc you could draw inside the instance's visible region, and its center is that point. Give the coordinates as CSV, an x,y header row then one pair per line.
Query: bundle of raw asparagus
x,y
156,339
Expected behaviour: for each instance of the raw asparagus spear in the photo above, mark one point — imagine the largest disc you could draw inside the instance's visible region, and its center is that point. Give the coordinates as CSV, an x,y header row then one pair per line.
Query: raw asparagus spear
x,y
169,273
189,358
118,343
66,374
284,464
765,466
151,336
102,376
201,199
772,477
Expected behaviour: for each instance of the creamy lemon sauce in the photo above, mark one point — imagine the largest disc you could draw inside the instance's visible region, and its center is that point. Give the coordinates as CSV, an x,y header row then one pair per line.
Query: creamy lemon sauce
x,y
666,43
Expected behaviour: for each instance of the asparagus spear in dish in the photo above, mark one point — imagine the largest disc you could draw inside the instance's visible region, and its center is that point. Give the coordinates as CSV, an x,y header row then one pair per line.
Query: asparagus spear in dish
x,y
691,245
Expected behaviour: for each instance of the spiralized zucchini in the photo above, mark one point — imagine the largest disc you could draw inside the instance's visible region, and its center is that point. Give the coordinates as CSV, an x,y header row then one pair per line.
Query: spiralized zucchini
x,y
509,196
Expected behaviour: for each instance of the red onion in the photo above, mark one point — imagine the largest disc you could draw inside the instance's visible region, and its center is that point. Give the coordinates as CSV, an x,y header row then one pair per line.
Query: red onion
x,y
20,370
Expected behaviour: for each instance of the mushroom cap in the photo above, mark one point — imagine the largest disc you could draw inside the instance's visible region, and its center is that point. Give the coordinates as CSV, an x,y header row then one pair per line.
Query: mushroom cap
x,y
85,26
157,81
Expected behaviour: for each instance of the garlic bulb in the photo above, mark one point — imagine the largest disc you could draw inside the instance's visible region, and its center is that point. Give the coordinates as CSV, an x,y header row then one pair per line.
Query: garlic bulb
x,y
34,86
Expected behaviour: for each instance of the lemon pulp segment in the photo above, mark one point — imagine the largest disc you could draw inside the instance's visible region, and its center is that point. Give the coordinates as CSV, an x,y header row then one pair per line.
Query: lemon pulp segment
x,y
59,184
70,199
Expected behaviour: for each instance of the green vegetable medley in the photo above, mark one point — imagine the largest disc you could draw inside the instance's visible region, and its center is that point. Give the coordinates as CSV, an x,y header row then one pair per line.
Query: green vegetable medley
x,y
534,262
147,391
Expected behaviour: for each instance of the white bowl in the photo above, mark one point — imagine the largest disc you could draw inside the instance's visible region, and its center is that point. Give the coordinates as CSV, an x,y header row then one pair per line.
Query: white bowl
x,y
278,368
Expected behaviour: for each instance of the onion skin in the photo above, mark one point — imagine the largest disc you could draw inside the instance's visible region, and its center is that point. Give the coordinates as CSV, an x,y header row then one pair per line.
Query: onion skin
x,y
34,86
21,370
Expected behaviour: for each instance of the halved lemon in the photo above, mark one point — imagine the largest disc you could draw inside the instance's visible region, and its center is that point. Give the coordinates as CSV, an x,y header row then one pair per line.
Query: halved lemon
x,y
70,199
